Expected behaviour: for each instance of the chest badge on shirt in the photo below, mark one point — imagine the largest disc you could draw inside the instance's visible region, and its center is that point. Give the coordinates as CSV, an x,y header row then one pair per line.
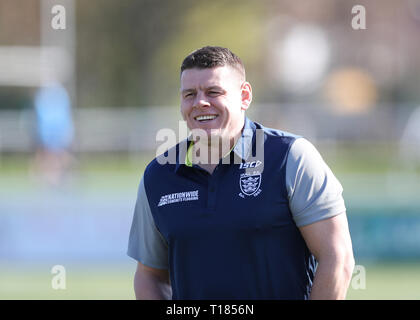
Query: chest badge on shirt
x,y
250,184
178,197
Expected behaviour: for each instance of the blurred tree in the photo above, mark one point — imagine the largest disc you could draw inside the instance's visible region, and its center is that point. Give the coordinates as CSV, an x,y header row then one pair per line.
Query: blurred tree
x,y
238,25
116,43
129,52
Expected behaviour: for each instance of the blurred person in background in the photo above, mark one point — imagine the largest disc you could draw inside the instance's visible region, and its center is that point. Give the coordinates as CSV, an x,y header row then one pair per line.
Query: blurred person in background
x,y
55,133
215,230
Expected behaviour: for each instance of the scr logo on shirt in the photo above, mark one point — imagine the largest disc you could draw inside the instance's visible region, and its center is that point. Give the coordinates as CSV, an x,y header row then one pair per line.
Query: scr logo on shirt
x,y
178,197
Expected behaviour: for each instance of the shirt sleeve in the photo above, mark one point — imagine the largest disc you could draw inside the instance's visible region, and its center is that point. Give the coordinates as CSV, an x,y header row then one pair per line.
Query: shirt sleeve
x,y
146,244
314,192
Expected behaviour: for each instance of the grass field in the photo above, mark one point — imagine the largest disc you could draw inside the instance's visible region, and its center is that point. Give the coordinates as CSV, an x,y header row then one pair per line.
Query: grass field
x,y
386,281
92,282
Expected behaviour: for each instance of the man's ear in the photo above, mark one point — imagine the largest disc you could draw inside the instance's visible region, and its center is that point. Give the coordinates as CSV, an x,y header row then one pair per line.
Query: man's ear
x,y
246,95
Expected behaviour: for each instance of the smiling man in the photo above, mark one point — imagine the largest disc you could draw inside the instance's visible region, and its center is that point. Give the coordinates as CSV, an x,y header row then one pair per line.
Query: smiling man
x,y
213,102
227,222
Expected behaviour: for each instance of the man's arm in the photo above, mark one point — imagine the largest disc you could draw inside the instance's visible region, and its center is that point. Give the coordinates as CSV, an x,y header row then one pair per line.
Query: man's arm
x,y
151,283
147,244
329,241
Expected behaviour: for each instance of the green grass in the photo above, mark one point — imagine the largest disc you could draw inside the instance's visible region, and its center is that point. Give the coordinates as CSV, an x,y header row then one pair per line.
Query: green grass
x,y
393,281
100,172
385,281
84,283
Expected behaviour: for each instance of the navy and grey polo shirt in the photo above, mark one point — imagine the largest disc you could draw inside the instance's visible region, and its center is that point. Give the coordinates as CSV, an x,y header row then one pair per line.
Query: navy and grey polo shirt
x,y
234,234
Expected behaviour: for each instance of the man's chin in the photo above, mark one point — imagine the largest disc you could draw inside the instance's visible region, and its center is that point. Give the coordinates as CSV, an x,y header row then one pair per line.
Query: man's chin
x,y
210,135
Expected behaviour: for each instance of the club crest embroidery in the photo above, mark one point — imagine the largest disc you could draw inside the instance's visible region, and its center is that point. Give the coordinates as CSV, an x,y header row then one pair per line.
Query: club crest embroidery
x,y
250,184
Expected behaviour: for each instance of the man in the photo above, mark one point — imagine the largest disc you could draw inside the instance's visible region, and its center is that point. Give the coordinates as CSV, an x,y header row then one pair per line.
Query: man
x,y
246,226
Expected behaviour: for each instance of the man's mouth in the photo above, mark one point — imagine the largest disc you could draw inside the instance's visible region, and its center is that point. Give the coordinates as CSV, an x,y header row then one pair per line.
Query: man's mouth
x,y
206,118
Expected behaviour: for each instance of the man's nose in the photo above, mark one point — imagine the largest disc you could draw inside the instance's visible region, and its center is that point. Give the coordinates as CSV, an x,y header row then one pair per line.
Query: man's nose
x,y
201,100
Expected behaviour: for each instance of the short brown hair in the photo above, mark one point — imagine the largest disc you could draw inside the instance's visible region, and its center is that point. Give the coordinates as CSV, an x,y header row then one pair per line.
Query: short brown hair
x,y
211,57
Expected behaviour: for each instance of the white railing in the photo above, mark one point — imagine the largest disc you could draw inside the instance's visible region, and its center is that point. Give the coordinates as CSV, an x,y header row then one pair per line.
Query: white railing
x,y
134,129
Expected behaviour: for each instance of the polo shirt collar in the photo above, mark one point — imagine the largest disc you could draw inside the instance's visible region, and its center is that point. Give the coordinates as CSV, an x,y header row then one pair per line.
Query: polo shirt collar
x,y
181,153
242,148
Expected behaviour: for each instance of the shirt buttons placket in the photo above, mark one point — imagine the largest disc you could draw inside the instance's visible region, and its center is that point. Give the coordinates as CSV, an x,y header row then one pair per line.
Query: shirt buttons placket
x,y
212,188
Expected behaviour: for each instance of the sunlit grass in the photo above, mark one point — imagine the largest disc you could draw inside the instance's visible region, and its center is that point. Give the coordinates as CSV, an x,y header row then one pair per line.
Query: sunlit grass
x,y
388,281
93,282
383,281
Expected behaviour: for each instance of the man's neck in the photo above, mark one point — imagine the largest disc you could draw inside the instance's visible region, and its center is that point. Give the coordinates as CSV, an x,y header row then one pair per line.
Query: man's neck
x,y
208,156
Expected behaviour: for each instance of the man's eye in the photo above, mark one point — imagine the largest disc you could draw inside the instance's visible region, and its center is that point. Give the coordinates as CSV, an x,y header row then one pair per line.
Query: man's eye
x,y
188,95
214,93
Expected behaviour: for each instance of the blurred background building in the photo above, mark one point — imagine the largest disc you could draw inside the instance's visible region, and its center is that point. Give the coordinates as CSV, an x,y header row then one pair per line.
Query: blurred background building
x,y
115,66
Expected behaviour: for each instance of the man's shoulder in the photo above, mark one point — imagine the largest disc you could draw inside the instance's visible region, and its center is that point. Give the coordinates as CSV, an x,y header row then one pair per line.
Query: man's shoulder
x,y
166,162
274,137
277,133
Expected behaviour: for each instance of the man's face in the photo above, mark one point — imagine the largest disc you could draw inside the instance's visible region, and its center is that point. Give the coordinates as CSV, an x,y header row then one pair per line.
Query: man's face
x,y
215,100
